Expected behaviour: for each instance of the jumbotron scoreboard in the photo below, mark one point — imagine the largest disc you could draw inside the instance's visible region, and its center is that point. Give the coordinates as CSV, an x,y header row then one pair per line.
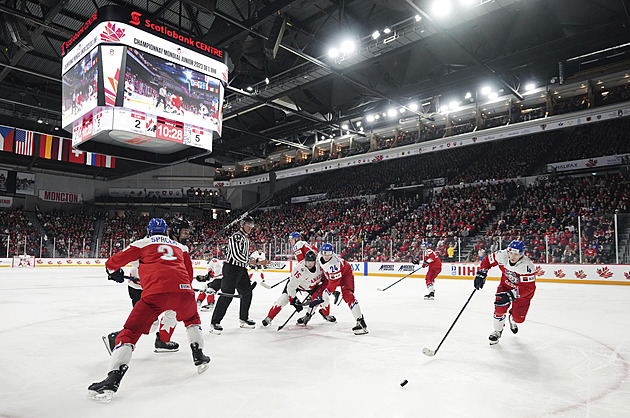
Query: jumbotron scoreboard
x,y
139,90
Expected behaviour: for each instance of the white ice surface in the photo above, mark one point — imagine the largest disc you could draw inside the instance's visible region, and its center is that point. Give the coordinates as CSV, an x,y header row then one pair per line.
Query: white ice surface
x,y
570,358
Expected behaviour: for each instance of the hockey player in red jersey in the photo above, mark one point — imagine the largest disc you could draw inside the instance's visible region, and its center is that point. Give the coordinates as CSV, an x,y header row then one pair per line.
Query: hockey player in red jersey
x,y
300,247
165,275
431,260
306,275
517,286
338,272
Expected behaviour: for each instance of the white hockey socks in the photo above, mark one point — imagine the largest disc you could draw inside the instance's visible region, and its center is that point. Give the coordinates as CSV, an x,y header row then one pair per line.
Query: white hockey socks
x,y
121,355
194,334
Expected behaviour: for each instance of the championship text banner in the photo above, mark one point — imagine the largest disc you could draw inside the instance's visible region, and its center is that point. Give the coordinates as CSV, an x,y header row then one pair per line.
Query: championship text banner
x,y
121,33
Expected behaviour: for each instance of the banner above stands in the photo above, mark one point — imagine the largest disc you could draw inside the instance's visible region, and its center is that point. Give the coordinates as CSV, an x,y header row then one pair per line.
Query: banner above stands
x,y
554,273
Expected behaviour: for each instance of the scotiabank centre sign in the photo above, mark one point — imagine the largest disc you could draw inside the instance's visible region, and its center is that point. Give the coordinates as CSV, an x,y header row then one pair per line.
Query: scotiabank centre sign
x,y
136,18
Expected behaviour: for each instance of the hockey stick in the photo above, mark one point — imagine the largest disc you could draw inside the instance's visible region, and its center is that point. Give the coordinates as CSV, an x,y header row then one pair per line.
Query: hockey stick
x,y
382,290
296,311
272,189
431,353
232,295
266,286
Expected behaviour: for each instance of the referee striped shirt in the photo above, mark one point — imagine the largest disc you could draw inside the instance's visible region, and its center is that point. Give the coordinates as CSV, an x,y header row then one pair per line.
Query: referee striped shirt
x,y
238,249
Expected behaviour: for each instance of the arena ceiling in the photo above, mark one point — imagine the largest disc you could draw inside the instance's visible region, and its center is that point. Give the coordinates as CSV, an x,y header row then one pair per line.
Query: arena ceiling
x,y
302,93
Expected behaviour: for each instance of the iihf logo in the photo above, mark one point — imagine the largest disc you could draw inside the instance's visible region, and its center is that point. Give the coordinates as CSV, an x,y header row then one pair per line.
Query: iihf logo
x,y
135,18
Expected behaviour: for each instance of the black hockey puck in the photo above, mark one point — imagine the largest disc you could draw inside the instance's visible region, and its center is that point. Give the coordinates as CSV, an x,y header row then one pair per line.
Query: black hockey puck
x,y
404,382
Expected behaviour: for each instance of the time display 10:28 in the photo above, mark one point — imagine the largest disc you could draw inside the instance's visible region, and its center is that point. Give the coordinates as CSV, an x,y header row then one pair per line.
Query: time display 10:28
x,y
170,130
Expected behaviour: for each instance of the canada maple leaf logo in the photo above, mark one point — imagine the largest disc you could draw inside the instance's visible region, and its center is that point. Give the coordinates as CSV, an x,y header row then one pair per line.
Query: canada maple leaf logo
x,y
605,273
591,163
539,271
580,274
627,274
559,273
111,34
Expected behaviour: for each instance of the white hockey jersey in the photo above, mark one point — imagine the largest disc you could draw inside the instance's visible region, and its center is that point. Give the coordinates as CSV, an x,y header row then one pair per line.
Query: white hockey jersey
x,y
134,282
523,271
216,267
258,255
303,278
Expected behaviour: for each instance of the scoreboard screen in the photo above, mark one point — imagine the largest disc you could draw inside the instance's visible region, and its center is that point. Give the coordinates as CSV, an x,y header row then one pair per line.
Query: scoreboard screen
x,y
137,90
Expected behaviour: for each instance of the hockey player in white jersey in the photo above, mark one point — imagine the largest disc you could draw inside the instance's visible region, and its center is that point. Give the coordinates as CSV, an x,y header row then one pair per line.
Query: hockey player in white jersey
x,y
211,284
306,275
257,255
516,289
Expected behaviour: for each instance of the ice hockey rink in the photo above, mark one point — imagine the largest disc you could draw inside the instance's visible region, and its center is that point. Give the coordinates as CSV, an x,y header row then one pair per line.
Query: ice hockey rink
x,y
569,359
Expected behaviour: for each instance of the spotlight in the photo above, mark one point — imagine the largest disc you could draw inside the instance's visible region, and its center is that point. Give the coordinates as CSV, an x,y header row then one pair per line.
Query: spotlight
x,y
444,109
377,116
402,110
348,46
453,105
418,18
344,126
359,123
40,121
530,86
370,118
333,52
250,88
468,95
441,8
266,80
387,30
376,35
413,106
392,112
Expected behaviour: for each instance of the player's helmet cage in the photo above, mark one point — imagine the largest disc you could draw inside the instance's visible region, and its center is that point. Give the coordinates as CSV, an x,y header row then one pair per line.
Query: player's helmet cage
x,y
516,247
327,249
247,220
157,226
295,235
310,256
177,224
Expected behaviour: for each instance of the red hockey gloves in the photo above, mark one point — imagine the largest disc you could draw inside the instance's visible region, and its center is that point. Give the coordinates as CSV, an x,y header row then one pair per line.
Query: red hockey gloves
x,y
480,279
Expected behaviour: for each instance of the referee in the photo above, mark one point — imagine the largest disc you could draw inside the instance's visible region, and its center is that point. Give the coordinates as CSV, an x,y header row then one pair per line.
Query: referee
x,y
235,277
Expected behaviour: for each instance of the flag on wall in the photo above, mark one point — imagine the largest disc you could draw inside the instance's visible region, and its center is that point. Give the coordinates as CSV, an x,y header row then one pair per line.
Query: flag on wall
x,y
6,138
76,156
92,159
23,142
109,161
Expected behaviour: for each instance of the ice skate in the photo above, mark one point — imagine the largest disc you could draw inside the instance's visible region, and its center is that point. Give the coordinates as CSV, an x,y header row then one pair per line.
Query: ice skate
x,y
110,341
513,325
328,318
360,328
208,307
430,295
162,347
494,337
104,390
248,323
304,320
266,321
201,360
216,329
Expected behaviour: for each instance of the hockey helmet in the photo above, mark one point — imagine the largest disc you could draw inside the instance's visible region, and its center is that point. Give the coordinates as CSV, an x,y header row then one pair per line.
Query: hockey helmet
x,y
327,249
247,220
310,256
295,235
157,226
425,245
516,247
177,224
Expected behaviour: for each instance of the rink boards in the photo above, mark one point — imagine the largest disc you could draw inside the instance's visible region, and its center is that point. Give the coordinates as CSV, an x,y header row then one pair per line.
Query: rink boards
x,y
618,274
